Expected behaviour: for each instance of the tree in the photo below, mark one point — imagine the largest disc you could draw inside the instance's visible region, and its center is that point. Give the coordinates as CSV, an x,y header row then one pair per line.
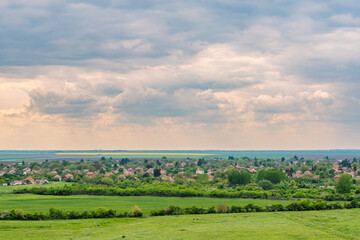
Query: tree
x,y
344,184
201,161
236,178
273,175
157,172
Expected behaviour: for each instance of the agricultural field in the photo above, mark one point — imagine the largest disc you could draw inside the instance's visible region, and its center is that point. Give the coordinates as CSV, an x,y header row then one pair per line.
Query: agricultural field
x,y
10,189
332,224
37,203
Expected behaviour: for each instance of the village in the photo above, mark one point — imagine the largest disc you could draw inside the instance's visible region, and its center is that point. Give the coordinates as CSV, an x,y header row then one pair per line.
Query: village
x,y
180,170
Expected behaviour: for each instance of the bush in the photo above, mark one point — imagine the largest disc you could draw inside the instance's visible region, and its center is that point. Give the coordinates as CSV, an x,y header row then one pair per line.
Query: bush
x,y
236,209
135,212
266,184
275,207
160,212
211,210
5,215
352,204
56,214
221,208
174,210
252,208
17,214
194,210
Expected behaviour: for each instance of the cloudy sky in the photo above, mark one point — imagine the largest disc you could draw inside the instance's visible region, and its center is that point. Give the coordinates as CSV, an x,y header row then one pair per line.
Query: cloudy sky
x,y
229,74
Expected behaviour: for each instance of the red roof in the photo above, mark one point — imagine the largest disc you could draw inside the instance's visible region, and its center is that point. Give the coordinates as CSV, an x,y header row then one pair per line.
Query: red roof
x,y
69,175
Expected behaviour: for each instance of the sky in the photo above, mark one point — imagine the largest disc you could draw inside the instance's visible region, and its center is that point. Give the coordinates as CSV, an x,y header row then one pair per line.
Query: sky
x,y
169,75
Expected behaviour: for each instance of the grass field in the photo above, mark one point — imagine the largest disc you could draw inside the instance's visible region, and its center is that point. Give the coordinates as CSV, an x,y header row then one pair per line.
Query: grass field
x,y
331,224
10,189
35,203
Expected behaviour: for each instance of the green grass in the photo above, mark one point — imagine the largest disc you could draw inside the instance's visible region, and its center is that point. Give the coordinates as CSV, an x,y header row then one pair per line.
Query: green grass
x,y
10,189
35,203
332,224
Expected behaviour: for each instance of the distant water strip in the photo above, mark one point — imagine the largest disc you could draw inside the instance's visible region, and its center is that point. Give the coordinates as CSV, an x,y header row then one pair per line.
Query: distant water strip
x,y
136,153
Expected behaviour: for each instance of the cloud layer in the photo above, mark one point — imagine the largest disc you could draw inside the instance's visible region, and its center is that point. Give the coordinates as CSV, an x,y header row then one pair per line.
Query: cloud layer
x,y
179,75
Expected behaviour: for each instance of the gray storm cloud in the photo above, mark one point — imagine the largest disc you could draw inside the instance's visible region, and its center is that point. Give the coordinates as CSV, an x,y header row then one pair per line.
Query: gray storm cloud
x,y
221,68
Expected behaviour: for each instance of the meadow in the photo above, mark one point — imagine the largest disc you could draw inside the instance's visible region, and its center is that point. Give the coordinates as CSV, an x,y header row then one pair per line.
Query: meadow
x,y
332,224
10,189
37,203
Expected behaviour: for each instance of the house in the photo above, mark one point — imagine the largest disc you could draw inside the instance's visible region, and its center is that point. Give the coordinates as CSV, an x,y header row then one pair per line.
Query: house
x,y
122,176
199,171
26,170
211,177
90,174
307,172
109,174
57,177
253,170
29,180
69,176
337,177
54,172
17,182
41,181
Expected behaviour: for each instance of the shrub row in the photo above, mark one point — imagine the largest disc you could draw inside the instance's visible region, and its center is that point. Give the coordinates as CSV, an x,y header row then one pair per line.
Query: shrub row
x,y
101,212
147,190
304,205
168,190
53,214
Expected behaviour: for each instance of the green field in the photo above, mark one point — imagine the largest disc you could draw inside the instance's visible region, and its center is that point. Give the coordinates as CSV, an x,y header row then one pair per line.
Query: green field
x,y
332,224
36,203
10,189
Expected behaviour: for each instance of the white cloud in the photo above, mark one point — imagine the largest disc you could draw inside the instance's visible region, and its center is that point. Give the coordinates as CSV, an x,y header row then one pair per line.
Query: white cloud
x,y
220,70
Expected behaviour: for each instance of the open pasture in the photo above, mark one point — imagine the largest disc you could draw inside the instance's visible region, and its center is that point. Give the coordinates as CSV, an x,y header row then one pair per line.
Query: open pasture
x,y
331,224
36,203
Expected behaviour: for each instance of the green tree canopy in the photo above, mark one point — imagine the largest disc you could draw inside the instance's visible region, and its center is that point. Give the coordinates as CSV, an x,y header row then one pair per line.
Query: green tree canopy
x,y
344,184
273,175
236,178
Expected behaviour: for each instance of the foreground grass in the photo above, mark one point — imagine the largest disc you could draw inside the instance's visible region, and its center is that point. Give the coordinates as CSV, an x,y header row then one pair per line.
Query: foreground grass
x,y
332,224
36,203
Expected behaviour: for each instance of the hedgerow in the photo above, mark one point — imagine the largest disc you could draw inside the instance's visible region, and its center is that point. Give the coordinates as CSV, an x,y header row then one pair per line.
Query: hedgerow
x,y
56,214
